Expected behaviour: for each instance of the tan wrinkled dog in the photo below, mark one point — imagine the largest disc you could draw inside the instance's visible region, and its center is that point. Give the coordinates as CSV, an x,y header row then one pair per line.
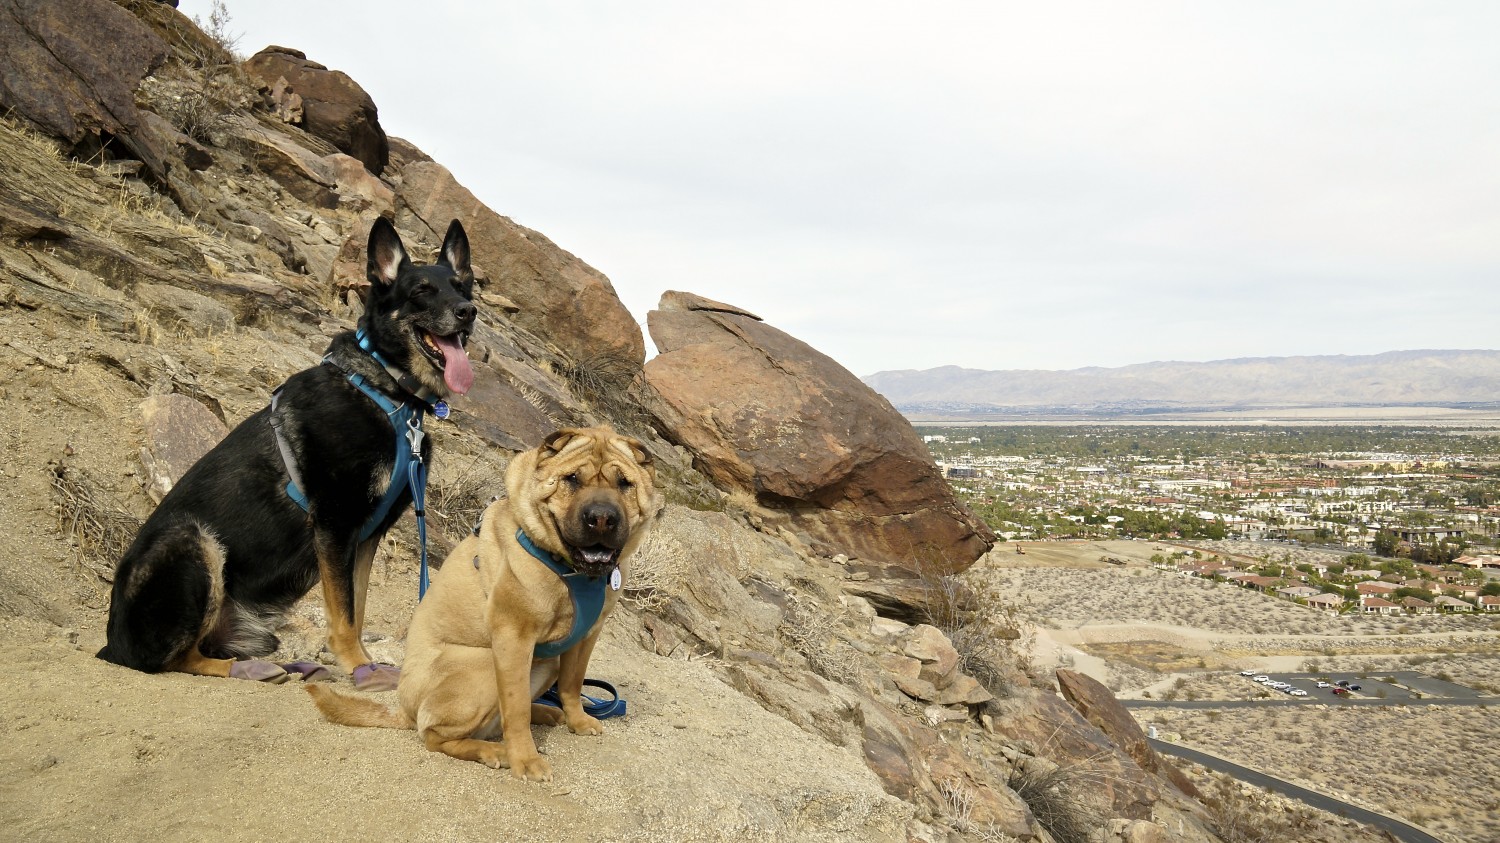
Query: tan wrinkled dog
x,y
588,496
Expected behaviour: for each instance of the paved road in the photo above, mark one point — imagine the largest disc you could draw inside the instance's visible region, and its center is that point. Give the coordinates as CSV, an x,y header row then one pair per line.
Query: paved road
x,y
1402,831
1357,701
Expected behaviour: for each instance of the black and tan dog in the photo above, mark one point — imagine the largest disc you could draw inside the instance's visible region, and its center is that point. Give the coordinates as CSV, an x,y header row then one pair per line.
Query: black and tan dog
x,y
501,623
303,490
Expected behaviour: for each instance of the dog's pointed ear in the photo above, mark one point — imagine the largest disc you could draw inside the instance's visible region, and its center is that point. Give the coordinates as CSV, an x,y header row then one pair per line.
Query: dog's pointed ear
x,y
455,254
387,255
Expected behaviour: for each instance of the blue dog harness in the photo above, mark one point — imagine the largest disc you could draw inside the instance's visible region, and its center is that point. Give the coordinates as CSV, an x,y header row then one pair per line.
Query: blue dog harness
x,y
406,420
588,595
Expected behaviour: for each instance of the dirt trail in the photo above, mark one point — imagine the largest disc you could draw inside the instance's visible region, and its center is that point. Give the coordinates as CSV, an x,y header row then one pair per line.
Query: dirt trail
x,y
96,752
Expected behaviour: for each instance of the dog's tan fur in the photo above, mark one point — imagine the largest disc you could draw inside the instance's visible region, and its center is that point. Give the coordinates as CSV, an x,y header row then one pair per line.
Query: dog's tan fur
x,y
470,673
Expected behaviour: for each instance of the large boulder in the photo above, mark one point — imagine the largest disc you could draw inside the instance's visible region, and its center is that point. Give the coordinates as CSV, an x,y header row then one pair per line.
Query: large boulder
x,y
71,68
334,106
814,449
1110,716
561,299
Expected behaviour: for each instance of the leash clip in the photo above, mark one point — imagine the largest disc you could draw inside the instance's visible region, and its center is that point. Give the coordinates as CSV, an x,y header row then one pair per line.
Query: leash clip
x,y
414,436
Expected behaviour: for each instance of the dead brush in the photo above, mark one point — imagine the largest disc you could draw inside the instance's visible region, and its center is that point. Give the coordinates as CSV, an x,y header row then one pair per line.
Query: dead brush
x,y
455,501
1060,797
811,633
101,528
657,568
982,624
611,384
1238,816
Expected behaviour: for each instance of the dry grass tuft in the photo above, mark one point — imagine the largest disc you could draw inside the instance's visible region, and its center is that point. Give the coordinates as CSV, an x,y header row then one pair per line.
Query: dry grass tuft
x,y
983,625
811,633
1059,797
99,525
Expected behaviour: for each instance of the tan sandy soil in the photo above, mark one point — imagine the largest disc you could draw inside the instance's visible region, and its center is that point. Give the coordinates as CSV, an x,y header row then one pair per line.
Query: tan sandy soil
x,y
96,752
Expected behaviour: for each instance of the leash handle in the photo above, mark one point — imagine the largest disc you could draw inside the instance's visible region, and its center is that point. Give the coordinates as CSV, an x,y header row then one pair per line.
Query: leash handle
x,y
595,708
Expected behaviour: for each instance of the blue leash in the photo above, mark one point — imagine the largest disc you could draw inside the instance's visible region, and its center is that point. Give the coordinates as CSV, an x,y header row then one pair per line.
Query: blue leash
x,y
596,708
407,414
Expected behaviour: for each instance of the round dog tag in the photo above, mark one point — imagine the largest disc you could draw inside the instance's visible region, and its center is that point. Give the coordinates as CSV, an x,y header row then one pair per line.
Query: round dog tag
x,y
440,409
614,580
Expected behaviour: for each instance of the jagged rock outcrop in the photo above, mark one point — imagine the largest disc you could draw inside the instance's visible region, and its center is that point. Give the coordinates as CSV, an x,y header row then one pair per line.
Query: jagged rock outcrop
x,y
58,74
333,106
1103,710
807,444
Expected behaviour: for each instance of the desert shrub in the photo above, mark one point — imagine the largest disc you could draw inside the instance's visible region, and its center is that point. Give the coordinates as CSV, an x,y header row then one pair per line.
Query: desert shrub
x,y
1240,815
811,633
1059,798
983,625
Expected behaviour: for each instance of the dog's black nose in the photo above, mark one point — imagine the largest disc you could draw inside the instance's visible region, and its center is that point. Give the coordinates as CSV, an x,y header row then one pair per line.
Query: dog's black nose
x,y
600,520
465,312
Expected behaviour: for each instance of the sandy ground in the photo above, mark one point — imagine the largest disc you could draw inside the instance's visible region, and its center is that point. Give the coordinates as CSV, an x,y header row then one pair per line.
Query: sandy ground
x,y
97,752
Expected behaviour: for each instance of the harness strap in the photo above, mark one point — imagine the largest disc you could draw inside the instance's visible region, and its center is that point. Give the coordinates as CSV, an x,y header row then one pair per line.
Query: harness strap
x,y
587,594
406,419
294,484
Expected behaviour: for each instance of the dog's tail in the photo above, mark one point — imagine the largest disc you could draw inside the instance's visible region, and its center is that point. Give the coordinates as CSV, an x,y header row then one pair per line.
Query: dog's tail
x,y
349,710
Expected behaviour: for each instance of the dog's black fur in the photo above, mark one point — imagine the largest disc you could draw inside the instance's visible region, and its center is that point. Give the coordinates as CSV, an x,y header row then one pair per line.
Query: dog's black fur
x,y
227,553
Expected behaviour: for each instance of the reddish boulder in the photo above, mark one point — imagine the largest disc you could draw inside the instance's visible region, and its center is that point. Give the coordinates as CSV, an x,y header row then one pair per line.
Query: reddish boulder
x,y
1110,716
179,431
561,299
71,68
334,106
819,452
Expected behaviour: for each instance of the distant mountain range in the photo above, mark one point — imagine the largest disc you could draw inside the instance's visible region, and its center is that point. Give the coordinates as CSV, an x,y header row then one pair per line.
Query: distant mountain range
x,y
1392,379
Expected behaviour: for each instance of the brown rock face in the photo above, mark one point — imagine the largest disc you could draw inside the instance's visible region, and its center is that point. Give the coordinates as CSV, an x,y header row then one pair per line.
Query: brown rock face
x,y
562,300
334,107
818,450
1100,708
71,67
179,431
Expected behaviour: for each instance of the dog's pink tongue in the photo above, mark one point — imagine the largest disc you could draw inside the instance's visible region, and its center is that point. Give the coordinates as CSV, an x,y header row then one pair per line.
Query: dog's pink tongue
x,y
456,370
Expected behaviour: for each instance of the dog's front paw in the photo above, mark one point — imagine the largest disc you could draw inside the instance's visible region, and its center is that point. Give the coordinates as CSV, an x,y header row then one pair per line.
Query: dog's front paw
x,y
533,769
585,724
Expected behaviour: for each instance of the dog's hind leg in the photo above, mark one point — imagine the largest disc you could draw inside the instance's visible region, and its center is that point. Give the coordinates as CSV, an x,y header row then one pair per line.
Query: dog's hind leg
x,y
166,594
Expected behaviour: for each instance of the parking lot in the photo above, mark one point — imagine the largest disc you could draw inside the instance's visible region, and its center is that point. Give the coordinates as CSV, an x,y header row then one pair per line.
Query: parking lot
x,y
1321,687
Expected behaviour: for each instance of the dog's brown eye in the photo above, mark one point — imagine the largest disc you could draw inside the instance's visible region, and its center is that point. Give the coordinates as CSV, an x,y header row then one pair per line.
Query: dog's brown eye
x,y
571,479
624,484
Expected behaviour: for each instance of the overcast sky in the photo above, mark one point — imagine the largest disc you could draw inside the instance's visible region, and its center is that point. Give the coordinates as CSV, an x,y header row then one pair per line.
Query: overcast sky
x,y
994,185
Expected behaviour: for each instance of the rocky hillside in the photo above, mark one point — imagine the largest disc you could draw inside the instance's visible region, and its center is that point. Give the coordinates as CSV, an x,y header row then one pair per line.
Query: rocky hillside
x,y
180,231
1393,379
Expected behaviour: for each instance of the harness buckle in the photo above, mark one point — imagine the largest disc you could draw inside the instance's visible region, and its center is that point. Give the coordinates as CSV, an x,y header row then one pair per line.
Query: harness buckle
x,y
414,436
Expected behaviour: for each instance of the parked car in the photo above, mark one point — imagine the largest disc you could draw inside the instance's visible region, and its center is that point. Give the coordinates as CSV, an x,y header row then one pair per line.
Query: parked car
x,y
1262,679
1342,683
1354,688
1340,692
1247,673
1297,692
1323,685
